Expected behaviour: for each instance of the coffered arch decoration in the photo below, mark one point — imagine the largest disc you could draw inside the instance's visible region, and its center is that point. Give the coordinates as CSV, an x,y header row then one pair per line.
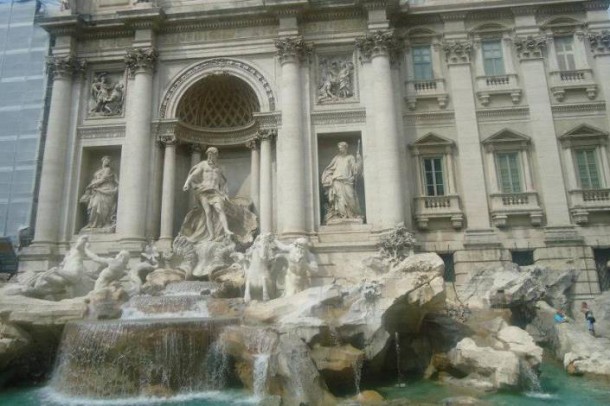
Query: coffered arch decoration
x,y
218,101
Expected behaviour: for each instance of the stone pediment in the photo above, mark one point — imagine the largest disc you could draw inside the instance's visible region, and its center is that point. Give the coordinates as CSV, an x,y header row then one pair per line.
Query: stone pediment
x,y
583,134
430,143
507,139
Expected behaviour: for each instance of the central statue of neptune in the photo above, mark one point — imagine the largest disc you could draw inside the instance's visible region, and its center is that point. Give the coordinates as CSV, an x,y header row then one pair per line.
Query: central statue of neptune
x,y
338,181
216,216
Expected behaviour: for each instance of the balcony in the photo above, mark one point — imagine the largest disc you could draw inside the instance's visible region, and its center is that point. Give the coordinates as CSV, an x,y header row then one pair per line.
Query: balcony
x,y
488,86
426,89
562,81
438,207
586,201
505,205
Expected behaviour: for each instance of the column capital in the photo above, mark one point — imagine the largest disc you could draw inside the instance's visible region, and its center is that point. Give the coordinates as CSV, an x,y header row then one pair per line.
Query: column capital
x,y
267,134
600,43
292,49
530,47
378,43
252,144
168,140
140,60
63,67
458,52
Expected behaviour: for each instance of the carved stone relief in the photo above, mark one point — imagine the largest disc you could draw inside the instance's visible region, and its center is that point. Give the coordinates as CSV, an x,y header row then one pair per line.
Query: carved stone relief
x,y
107,95
335,79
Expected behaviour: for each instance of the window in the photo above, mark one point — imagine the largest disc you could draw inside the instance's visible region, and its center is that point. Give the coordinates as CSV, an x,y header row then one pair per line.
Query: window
x,y
433,176
564,48
493,60
449,275
586,164
422,63
509,174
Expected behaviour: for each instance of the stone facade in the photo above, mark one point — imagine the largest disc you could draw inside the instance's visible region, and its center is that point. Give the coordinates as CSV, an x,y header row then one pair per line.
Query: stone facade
x,y
482,125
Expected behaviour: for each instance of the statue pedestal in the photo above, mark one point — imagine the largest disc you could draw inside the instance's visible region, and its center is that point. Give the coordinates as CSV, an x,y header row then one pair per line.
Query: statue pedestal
x,y
333,222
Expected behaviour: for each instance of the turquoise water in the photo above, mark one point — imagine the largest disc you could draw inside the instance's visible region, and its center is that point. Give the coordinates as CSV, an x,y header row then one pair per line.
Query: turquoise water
x,y
558,389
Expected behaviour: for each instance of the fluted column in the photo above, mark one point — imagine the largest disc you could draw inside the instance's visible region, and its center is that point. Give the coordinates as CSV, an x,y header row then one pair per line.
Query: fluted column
x,y
252,145
292,196
266,187
54,160
135,155
376,49
169,188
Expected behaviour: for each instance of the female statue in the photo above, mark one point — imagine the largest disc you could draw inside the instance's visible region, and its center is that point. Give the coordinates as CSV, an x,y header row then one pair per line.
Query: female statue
x,y
101,197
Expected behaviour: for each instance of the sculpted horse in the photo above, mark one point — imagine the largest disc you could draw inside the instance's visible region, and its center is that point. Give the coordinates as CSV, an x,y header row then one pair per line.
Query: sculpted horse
x,y
300,266
258,265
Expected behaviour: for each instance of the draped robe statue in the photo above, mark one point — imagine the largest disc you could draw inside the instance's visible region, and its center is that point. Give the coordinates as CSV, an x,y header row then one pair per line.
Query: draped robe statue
x,y
338,181
101,197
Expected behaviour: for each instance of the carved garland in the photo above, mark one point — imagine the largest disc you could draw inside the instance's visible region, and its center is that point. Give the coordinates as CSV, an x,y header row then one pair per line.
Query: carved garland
x,y
600,42
221,64
530,47
458,51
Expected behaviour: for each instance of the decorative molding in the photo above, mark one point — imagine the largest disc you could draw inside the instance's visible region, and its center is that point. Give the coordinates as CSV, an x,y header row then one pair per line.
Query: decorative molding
x,y
530,47
107,131
63,67
596,107
219,65
379,43
597,5
506,113
292,50
167,139
217,23
600,43
338,117
436,117
141,60
458,52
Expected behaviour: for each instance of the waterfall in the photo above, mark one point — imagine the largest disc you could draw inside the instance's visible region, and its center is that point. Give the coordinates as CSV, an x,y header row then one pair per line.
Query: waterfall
x,y
529,378
217,366
357,367
259,374
161,307
398,371
127,358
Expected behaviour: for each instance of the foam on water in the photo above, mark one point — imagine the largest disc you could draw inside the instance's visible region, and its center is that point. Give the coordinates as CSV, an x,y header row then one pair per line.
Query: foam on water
x,y
52,398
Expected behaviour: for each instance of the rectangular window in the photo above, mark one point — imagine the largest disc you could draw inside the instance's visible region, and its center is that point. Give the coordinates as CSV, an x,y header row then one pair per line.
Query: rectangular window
x,y
588,173
564,48
433,176
493,60
422,63
509,173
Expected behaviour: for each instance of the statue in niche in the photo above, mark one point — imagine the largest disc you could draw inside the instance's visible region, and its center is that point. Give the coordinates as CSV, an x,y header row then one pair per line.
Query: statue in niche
x,y
101,198
215,216
339,183
64,5
107,96
336,80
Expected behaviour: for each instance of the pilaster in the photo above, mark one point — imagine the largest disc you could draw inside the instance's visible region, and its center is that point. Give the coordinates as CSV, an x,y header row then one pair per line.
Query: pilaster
x,y
378,48
135,156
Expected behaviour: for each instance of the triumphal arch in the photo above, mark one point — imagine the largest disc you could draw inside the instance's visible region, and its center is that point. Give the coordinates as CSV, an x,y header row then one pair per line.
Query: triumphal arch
x,y
480,126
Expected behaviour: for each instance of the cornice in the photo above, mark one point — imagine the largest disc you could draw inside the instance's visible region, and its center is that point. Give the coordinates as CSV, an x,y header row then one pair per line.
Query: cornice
x,y
579,108
507,113
179,26
436,117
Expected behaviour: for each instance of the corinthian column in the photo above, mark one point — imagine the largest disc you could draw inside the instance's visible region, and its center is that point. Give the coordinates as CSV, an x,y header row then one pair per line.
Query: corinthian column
x,y
169,188
292,196
266,196
252,145
54,159
376,49
135,156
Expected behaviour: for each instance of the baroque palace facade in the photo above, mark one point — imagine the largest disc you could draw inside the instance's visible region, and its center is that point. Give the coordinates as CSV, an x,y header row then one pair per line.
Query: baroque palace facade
x,y
481,125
